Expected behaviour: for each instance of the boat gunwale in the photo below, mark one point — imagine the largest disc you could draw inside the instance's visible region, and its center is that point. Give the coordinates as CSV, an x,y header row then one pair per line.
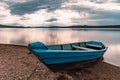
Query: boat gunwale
x,y
48,50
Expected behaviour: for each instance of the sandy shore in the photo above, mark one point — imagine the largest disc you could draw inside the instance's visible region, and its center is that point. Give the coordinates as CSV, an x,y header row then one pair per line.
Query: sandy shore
x,y
17,64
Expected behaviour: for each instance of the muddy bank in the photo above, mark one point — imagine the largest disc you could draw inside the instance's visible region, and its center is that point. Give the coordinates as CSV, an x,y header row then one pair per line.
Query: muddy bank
x,y
17,64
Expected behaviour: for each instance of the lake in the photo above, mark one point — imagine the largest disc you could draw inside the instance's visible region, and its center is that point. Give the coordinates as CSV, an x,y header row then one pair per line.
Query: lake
x,y
23,36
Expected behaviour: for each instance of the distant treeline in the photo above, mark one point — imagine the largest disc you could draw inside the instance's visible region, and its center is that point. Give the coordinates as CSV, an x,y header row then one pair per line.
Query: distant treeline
x,y
74,26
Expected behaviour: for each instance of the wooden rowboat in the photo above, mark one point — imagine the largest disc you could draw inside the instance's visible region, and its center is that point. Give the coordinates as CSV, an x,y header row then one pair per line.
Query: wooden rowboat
x,y
68,53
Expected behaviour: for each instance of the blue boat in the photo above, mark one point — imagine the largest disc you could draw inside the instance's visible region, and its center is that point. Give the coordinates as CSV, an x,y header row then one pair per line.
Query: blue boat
x,y
68,53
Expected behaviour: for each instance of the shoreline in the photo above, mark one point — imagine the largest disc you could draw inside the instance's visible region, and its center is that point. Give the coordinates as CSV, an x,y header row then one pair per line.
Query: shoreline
x,y
17,64
116,65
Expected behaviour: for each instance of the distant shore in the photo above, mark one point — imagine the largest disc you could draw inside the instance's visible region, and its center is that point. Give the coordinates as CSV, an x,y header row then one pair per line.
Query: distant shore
x,y
17,64
73,26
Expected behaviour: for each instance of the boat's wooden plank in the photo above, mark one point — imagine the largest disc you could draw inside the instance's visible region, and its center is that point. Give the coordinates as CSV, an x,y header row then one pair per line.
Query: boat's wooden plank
x,y
82,48
93,45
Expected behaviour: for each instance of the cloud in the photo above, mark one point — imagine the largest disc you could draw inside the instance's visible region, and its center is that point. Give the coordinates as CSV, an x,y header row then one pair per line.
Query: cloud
x,y
5,16
62,17
107,17
30,6
101,12
59,12
15,1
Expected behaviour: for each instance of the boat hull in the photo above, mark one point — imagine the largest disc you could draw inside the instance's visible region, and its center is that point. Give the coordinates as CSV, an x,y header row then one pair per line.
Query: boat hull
x,y
74,65
58,56
68,53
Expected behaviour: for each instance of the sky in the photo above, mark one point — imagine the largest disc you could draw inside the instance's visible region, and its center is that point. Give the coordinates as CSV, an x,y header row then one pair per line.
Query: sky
x,y
59,12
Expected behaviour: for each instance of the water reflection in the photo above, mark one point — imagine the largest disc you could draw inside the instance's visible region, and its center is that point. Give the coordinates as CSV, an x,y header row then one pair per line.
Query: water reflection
x,y
113,54
58,36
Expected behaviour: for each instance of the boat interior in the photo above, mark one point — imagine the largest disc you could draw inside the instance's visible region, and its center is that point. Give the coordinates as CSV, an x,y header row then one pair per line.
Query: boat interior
x,y
76,46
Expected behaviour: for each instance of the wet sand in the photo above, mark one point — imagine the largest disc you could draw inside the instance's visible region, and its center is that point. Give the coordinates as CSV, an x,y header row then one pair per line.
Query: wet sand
x,y
17,64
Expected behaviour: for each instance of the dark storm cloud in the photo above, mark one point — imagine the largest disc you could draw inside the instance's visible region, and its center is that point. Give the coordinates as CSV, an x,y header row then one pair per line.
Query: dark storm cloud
x,y
51,20
34,5
108,14
106,17
98,1
117,1
82,9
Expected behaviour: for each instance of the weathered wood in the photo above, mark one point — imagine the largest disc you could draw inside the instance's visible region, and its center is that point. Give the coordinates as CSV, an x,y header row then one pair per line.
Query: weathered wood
x,y
82,48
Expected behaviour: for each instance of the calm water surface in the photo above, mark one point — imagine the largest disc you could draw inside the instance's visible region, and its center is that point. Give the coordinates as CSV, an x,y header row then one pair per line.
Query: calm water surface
x,y
110,38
